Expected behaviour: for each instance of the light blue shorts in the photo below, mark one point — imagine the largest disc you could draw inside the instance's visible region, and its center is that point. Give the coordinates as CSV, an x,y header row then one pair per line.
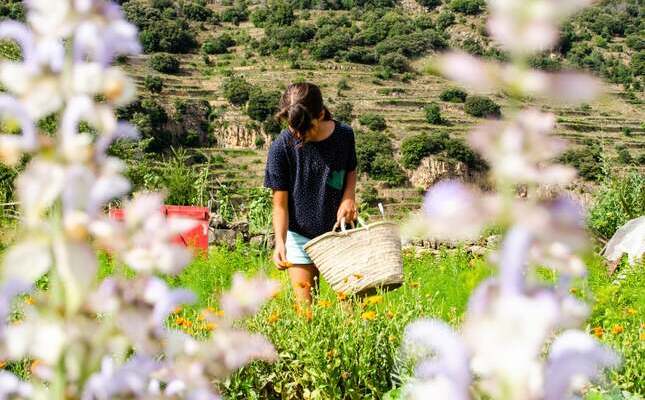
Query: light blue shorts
x,y
295,248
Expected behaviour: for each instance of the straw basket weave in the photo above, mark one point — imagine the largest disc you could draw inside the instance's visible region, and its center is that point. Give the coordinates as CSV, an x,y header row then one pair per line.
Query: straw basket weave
x,y
358,260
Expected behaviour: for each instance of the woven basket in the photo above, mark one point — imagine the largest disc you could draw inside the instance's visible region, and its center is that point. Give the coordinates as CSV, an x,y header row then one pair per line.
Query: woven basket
x,y
360,260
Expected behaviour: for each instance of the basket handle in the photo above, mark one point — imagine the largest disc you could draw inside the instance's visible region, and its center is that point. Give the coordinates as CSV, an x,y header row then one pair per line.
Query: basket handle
x,y
343,225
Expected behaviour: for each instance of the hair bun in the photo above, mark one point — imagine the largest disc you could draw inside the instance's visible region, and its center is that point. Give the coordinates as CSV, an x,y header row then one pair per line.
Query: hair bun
x,y
299,118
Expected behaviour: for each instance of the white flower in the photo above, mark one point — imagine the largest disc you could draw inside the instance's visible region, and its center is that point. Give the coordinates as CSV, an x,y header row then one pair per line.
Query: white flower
x,y
13,146
11,387
246,296
40,338
38,187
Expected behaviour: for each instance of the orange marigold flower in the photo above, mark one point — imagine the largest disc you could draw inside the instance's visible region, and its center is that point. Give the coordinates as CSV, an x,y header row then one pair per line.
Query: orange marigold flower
x,y
309,315
369,315
341,296
617,329
630,311
3,364
331,353
211,326
177,310
370,301
273,318
324,303
389,314
358,276
201,317
597,331
29,300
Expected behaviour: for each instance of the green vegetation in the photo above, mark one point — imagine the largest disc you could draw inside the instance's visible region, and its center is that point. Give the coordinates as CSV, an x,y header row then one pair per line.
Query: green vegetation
x,y
218,45
373,121
588,160
236,90
482,107
375,157
469,7
153,84
432,112
165,63
453,95
619,199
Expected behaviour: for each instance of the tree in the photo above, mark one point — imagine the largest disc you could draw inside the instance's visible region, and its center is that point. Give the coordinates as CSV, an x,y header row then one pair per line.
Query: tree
x,y
165,63
416,147
262,104
482,107
344,111
218,45
236,90
469,7
394,61
153,83
373,121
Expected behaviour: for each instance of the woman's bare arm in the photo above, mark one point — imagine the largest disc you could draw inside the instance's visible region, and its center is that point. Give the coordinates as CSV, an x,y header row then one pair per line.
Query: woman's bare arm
x,y
280,226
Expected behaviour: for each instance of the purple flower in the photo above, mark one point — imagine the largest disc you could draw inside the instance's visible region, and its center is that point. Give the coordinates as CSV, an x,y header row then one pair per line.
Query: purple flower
x,y
129,379
11,387
575,358
246,296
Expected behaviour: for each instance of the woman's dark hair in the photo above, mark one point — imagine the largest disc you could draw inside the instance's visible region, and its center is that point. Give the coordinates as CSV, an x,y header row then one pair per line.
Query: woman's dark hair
x,y
299,105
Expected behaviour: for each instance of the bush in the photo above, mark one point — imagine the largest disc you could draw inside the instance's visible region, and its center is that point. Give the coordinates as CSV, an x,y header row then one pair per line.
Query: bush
x,y
386,169
172,36
453,95
445,19
469,7
415,148
587,160
482,107
197,11
343,112
236,90
619,199
153,84
343,84
457,149
373,121
218,45
635,41
164,63
262,104
430,4
235,15
395,62
432,112
624,156
368,146
369,196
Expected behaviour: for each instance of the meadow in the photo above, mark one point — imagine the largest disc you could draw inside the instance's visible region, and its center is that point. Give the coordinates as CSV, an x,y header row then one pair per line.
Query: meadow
x,y
350,348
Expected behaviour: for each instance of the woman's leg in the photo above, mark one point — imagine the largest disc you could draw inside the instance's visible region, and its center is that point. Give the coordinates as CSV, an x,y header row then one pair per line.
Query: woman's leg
x,y
304,280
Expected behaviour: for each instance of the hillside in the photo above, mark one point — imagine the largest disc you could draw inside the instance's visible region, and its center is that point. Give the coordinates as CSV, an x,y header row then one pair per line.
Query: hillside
x,y
231,60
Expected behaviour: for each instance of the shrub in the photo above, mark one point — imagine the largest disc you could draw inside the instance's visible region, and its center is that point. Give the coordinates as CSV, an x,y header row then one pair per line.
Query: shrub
x,y
445,19
236,90
165,63
641,159
624,156
172,36
430,4
262,104
153,84
587,160
343,112
368,146
218,45
457,149
453,95
369,196
235,15
469,7
432,112
343,84
482,107
395,62
385,168
196,11
373,121
619,199
635,41
415,148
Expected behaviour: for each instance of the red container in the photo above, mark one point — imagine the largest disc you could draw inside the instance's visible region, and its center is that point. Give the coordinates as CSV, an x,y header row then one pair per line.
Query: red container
x,y
197,237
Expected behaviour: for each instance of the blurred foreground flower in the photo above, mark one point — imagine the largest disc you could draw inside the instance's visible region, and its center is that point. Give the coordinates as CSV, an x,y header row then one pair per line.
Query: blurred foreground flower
x,y
91,339
511,319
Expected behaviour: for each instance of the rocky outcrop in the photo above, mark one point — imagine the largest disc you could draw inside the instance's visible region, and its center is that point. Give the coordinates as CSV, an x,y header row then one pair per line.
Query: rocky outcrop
x,y
239,136
432,169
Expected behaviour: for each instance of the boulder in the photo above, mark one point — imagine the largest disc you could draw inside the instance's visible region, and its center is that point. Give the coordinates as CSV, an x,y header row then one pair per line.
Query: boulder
x,y
433,169
223,237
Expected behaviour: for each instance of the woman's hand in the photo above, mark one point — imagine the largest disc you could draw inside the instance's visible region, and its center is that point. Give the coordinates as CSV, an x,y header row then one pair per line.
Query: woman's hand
x,y
280,256
347,211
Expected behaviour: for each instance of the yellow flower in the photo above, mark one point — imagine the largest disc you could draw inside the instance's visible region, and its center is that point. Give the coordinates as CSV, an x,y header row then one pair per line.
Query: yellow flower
x,y
597,331
631,311
573,290
183,322
391,338
177,310
201,317
369,315
324,303
414,285
617,329
273,318
211,326
389,314
341,296
29,300
2,364
331,353
358,276
370,301
642,336
34,365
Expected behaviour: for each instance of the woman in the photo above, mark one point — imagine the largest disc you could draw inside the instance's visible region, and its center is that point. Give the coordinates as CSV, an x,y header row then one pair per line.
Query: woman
x,y
311,168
